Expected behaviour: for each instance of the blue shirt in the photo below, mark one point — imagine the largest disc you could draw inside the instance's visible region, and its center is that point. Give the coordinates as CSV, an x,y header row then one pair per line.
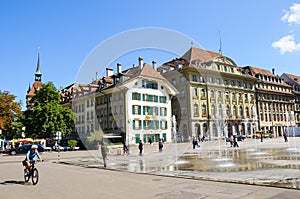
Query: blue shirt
x,y
31,155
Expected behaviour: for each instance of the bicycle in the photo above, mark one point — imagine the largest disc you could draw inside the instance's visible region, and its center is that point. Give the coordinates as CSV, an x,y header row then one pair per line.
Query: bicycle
x,y
32,172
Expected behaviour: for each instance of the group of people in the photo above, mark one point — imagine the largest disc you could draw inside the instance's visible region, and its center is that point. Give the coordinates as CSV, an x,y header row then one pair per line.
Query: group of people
x,y
160,145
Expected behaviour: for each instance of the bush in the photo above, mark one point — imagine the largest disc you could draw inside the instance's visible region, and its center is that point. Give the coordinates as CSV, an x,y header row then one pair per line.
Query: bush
x,y
72,143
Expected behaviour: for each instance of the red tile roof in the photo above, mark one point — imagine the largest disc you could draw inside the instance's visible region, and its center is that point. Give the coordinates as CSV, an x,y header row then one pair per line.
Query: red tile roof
x,y
199,54
35,87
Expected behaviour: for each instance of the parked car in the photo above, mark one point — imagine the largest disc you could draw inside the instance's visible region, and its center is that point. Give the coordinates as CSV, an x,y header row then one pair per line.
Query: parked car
x,y
23,149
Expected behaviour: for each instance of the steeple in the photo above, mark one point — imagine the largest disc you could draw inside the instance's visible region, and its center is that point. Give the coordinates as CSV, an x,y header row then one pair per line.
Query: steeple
x,y
29,88
38,74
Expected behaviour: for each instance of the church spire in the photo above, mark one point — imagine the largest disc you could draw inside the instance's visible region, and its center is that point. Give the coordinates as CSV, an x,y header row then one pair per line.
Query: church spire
x,y
38,74
29,88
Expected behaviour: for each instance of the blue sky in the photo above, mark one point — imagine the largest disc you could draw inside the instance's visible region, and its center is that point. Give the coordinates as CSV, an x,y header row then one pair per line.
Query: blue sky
x,y
264,34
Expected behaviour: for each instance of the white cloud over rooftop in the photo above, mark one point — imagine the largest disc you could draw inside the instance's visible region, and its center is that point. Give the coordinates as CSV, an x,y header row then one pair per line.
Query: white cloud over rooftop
x,y
286,44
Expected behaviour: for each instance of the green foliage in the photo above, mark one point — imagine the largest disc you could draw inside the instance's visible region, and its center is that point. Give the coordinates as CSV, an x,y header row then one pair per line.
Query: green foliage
x,y
48,115
72,143
95,137
10,115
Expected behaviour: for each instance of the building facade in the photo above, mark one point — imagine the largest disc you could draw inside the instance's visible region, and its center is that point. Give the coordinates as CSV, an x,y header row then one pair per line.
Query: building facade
x,y
294,81
274,101
215,99
136,103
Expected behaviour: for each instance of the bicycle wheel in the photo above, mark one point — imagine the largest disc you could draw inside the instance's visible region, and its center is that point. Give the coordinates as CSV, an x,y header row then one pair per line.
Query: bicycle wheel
x,y
35,176
26,175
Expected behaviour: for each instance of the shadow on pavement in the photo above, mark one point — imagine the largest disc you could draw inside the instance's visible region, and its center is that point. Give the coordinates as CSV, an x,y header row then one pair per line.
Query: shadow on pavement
x,y
11,182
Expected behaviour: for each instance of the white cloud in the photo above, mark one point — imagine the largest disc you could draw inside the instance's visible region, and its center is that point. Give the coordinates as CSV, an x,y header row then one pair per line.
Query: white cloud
x,y
286,44
293,15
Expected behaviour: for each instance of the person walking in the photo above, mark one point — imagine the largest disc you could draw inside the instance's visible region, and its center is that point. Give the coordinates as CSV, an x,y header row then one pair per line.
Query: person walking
x,y
285,136
194,142
103,149
235,144
160,146
141,147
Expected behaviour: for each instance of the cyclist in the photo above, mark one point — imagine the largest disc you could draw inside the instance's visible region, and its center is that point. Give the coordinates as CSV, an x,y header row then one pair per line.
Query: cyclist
x,y
29,159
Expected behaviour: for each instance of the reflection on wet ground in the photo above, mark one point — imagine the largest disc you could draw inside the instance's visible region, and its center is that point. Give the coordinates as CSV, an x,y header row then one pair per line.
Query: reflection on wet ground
x,y
278,167
241,160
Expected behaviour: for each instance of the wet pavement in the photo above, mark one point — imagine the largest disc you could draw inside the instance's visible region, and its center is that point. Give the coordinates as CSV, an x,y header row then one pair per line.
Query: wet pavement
x,y
270,163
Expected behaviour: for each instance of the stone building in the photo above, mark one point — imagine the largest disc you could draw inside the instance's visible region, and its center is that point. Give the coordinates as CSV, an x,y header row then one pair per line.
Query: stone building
x,y
216,97
274,100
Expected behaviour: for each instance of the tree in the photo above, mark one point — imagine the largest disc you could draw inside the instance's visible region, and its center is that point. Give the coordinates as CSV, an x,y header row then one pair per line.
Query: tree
x,y
10,115
47,115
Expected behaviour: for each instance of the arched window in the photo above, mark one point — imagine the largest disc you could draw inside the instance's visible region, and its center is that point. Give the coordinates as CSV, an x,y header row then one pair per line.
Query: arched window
x,y
213,112
247,111
227,110
241,111
212,94
234,111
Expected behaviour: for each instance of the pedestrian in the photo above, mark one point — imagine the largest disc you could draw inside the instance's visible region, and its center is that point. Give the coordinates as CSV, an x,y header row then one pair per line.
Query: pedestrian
x,y
194,142
231,141
141,147
160,146
235,144
261,136
285,136
103,149
150,140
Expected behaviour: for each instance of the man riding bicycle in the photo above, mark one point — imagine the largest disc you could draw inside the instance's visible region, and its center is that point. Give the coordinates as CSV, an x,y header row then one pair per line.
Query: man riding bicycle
x,y
30,156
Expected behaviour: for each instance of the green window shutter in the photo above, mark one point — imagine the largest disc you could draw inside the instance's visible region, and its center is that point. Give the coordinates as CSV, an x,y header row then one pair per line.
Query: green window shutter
x,y
132,96
151,124
143,97
139,110
139,96
143,110
156,98
144,125
166,124
133,127
140,124
150,110
133,109
160,124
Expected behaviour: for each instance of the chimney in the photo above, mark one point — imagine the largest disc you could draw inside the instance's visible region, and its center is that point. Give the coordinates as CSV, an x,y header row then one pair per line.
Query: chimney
x,y
273,71
119,67
141,63
154,65
133,66
109,72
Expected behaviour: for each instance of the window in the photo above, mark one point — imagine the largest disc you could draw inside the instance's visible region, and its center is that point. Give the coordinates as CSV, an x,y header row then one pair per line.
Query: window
x,y
136,96
218,81
195,94
211,80
239,84
250,86
87,103
164,125
147,124
204,109
213,111
196,110
219,94
245,85
202,79
246,97
136,110
163,111
232,70
88,115
233,96
202,93
137,124
247,111
227,110
241,111
162,99
234,111
212,94
194,78
232,83
225,82
225,68
227,95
